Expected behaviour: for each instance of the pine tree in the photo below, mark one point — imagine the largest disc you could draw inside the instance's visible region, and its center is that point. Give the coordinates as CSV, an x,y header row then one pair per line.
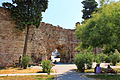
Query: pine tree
x,y
89,7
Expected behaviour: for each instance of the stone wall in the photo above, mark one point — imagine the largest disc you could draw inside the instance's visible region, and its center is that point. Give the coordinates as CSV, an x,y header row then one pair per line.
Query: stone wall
x,y
42,41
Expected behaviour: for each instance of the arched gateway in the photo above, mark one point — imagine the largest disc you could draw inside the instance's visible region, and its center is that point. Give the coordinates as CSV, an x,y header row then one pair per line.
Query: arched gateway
x,y
41,43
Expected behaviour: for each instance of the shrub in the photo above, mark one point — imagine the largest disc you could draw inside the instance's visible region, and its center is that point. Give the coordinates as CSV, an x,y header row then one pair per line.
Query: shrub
x,y
47,65
81,59
102,57
108,60
96,59
115,58
25,61
89,57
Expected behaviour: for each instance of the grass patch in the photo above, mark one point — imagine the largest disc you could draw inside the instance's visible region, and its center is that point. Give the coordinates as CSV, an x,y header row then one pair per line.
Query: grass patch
x,y
104,77
39,77
19,70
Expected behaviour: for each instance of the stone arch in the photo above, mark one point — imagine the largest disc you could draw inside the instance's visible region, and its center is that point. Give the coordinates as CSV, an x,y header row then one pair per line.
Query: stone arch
x,y
63,53
42,41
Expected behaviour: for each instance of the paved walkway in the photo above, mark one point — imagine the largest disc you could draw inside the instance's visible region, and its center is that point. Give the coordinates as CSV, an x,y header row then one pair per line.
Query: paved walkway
x,y
72,75
62,68
67,72
63,72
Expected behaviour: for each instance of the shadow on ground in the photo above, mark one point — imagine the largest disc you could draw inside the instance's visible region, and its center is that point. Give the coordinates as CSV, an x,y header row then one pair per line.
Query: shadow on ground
x,y
72,75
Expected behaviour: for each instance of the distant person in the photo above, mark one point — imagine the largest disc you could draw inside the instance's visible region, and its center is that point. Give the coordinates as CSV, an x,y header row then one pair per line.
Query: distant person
x,y
110,70
98,69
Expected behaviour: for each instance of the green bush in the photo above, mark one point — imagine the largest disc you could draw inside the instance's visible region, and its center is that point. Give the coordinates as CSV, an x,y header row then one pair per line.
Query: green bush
x,y
89,59
25,61
47,65
115,58
96,59
102,57
81,59
108,60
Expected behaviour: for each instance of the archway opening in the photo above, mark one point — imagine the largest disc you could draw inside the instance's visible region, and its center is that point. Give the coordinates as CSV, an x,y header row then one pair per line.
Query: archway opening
x,y
55,57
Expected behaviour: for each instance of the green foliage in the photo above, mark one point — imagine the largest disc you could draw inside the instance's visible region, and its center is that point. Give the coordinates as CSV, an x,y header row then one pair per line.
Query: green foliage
x,y
108,50
103,2
81,59
102,57
103,29
99,58
27,12
47,65
96,59
108,59
115,58
111,58
25,61
89,7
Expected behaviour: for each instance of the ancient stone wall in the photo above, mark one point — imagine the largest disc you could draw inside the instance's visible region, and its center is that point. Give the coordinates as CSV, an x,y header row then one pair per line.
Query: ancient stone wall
x,y
42,41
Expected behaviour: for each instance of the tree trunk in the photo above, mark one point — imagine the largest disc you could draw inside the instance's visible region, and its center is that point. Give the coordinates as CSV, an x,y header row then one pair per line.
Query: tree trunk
x,y
26,41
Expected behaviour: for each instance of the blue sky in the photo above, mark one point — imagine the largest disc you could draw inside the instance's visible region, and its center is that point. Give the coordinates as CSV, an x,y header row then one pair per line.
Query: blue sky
x,y
64,13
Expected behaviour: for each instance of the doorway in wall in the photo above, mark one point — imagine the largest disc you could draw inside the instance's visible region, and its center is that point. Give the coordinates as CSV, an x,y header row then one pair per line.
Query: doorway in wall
x,y
55,57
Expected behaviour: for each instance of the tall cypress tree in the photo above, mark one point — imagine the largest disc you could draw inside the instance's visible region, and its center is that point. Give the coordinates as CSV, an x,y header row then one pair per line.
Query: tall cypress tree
x,y
89,6
26,13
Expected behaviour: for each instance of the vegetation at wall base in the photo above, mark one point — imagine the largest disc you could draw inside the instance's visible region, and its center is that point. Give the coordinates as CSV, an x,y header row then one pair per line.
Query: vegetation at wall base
x,y
25,61
46,66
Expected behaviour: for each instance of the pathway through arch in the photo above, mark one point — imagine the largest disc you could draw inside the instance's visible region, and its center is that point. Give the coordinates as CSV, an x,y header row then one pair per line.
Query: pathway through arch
x,y
67,72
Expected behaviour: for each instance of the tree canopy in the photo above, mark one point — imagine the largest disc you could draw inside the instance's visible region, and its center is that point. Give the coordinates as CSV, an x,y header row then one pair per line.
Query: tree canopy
x,y
103,29
89,7
26,12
